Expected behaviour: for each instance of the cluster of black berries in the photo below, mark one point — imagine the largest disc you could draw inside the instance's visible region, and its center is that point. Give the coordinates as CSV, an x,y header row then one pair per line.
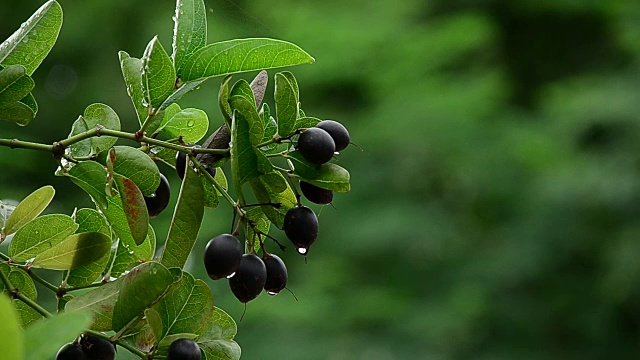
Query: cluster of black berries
x,y
95,348
248,274
88,348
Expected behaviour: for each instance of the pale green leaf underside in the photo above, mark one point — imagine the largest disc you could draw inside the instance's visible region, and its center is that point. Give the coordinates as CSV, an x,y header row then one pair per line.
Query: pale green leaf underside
x,y
242,55
29,208
31,43
286,97
75,251
19,113
39,235
94,115
90,220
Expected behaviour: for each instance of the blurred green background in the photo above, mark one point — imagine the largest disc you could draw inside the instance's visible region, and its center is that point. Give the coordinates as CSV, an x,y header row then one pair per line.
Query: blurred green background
x,y
494,211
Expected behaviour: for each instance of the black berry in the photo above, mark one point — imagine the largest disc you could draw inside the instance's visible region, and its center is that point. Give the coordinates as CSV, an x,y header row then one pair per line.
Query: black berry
x,y
160,199
181,164
337,131
316,145
71,352
249,279
315,194
301,227
96,348
222,256
183,349
277,275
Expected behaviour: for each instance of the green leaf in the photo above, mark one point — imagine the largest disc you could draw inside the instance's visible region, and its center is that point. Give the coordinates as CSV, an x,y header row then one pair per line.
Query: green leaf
x,y
180,92
223,100
137,166
141,287
262,223
158,74
265,188
248,110
22,281
186,308
29,208
244,162
154,320
31,43
134,208
306,122
192,124
189,31
39,235
15,84
46,337
186,221
19,113
30,101
94,115
217,342
132,74
287,102
327,176
11,336
99,303
91,177
242,55
75,251
127,254
90,220
118,220
243,89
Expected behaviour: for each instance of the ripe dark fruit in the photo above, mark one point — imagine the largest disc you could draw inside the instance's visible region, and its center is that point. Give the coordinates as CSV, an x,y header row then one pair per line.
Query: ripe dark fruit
x,y
96,348
71,352
183,349
277,275
181,163
301,227
315,194
222,256
160,199
337,131
316,145
249,279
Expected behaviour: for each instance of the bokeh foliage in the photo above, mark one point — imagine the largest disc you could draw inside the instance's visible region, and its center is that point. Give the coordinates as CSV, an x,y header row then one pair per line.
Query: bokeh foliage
x,y
494,209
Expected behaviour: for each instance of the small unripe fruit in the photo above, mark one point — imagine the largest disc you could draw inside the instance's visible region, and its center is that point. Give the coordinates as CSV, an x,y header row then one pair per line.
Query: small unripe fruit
x,y
184,349
315,194
96,348
316,145
160,199
71,352
301,227
222,256
249,279
338,132
277,275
